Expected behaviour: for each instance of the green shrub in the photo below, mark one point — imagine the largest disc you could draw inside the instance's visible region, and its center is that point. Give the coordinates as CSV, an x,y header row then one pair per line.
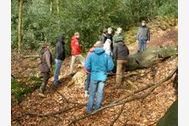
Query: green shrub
x,y
19,89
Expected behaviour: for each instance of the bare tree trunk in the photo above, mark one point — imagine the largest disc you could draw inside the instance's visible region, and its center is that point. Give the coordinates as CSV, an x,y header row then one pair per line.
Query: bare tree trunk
x,y
20,24
58,14
51,6
57,7
55,11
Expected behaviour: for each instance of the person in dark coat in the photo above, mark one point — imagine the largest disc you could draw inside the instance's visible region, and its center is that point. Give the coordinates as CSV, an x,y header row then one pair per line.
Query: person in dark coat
x,y
103,37
143,37
59,57
120,55
45,66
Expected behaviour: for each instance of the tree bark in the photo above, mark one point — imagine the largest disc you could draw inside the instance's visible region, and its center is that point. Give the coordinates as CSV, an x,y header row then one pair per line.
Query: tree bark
x,y
51,6
20,24
58,14
149,57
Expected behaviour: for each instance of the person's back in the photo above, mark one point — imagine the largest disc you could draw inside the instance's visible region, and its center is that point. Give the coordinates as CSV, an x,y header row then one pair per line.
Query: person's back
x,y
99,64
45,67
60,49
118,38
120,55
46,60
121,51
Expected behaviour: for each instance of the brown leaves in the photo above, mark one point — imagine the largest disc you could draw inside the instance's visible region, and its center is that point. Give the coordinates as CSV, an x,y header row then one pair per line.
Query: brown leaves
x,y
141,112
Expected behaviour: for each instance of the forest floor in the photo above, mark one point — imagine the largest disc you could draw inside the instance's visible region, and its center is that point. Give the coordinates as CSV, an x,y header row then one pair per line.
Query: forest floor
x,y
67,105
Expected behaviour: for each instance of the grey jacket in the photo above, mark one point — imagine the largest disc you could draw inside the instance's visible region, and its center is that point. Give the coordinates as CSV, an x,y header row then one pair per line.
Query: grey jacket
x,y
120,51
143,33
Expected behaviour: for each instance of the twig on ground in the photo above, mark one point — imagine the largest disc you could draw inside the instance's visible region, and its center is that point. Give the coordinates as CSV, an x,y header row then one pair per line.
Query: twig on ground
x,y
118,115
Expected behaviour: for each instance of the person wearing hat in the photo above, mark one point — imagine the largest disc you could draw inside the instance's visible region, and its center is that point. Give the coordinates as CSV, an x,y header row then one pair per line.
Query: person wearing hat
x,y
143,37
120,55
45,66
98,63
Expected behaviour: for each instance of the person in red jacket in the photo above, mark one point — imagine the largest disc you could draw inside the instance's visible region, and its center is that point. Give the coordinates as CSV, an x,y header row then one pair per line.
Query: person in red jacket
x,y
75,51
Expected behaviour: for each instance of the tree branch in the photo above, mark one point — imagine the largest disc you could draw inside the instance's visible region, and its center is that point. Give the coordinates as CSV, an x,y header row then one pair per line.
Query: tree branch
x,y
119,114
129,97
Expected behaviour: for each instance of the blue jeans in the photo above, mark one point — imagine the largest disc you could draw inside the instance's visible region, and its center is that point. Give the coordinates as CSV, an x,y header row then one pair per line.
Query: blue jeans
x,y
58,64
142,44
96,94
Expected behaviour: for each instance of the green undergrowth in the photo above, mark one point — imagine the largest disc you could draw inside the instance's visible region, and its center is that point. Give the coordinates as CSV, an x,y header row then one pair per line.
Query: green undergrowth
x,y
19,89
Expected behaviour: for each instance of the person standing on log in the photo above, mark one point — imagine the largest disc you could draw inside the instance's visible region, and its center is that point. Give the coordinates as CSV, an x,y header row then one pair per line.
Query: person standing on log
x,y
60,56
98,63
143,36
120,55
75,51
45,66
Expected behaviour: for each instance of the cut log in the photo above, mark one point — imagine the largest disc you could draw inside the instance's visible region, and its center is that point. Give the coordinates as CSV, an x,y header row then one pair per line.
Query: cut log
x,y
31,56
150,56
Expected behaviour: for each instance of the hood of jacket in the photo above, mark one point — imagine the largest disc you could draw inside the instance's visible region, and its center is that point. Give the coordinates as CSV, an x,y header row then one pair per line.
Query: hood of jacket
x,y
118,38
99,51
60,40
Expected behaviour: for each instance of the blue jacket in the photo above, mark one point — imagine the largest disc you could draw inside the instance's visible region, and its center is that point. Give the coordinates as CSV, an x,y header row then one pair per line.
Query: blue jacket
x,y
99,63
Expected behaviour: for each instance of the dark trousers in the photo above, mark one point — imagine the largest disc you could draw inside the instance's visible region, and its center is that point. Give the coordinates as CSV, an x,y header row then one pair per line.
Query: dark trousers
x,y
87,82
46,76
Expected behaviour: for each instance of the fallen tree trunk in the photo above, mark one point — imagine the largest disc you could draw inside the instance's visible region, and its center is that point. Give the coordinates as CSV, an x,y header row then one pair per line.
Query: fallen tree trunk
x,y
150,56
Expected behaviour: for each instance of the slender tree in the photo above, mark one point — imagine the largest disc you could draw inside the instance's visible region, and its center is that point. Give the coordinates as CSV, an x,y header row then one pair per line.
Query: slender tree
x,y
20,24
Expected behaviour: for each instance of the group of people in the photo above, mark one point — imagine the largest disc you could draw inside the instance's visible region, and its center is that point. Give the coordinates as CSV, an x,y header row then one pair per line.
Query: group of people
x,y
109,51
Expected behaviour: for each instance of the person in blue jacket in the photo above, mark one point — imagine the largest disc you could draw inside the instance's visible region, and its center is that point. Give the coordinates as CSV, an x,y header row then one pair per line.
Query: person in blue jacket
x,y
98,64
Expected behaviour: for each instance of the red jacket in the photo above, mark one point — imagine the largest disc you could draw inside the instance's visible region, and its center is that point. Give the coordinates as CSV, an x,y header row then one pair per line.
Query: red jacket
x,y
75,47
